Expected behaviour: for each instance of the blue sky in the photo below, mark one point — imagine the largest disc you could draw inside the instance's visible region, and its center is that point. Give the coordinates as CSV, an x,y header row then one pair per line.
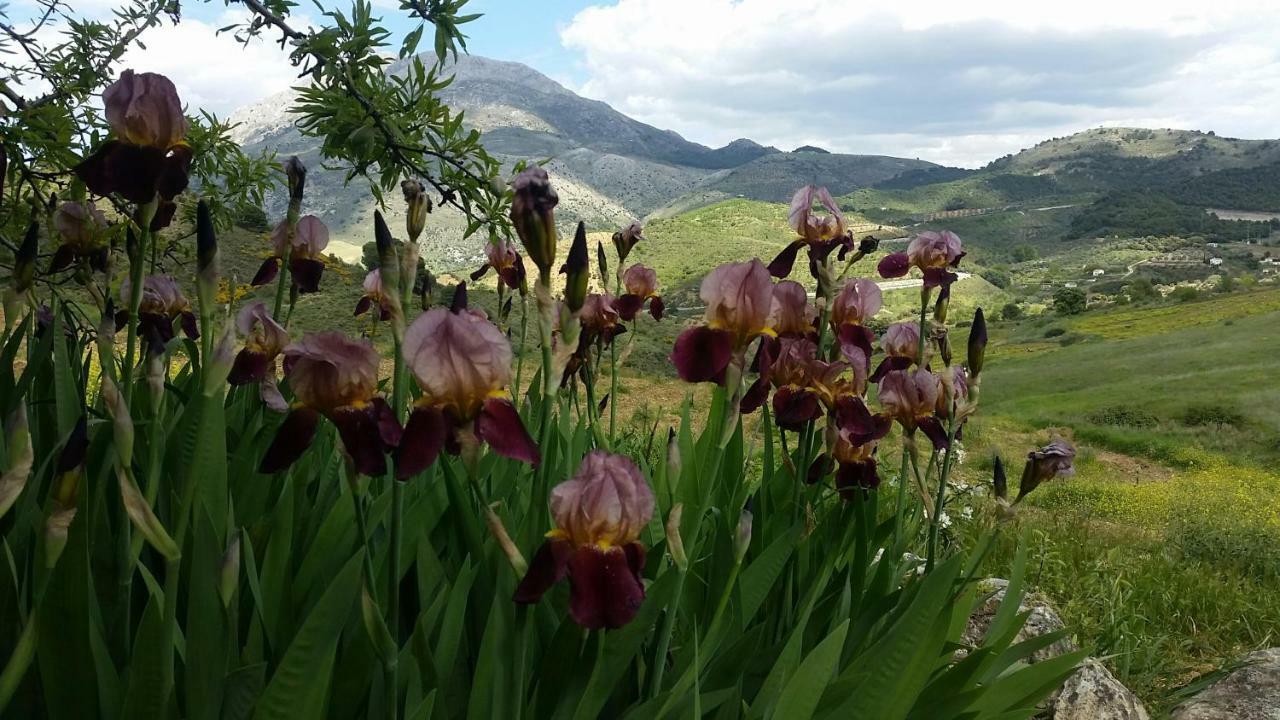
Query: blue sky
x,y
527,32
953,82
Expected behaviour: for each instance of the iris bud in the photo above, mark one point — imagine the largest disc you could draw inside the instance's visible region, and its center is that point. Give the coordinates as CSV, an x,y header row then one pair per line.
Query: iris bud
x,y
229,573
577,270
675,544
977,342
206,253
532,214
742,538
121,420
418,206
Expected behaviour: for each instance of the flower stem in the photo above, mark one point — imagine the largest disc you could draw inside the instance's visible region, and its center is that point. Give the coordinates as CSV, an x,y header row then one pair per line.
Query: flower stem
x,y
524,326
362,526
613,391
549,383
902,495
393,599
924,322
664,636
936,524
524,628
292,219
124,543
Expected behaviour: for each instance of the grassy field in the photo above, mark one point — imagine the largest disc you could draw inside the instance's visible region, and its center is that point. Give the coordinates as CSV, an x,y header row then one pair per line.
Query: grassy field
x,y
1163,552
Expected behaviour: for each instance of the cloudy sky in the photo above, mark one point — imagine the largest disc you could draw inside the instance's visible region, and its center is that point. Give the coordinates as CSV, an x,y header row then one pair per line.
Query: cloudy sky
x,y
953,82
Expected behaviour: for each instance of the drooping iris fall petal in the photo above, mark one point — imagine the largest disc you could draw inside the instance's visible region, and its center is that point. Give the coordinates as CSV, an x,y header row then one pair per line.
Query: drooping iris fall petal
x,y
500,426
701,354
291,440
605,588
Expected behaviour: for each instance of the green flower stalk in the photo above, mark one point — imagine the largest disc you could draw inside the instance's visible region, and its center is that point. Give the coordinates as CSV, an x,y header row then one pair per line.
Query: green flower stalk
x,y
206,273
675,548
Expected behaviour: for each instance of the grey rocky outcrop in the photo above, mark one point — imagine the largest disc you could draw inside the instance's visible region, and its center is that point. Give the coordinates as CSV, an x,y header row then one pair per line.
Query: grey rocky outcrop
x,y
1250,692
1091,693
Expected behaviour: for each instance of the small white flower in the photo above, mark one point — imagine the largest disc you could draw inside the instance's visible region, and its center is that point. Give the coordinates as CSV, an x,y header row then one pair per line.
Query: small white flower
x,y
944,520
966,512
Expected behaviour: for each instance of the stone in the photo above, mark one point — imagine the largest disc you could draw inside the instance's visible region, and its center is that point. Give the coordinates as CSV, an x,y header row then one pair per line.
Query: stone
x,y
1043,619
1091,693
1250,692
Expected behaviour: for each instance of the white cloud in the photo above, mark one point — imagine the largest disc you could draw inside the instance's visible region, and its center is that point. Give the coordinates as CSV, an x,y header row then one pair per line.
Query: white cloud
x,y
213,71
955,82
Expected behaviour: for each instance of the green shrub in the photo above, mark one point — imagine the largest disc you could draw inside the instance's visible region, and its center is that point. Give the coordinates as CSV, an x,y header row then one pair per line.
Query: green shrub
x,y
1069,301
1055,331
1070,339
1206,414
1124,416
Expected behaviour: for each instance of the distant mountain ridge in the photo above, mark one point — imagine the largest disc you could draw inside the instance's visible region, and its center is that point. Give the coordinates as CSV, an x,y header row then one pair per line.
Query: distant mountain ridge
x,y
608,168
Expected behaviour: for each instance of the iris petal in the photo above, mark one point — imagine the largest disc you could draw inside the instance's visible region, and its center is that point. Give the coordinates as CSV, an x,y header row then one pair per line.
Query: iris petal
x,y
291,440
420,443
549,566
306,274
268,272
499,425
701,354
605,589
781,265
249,366
360,436
628,306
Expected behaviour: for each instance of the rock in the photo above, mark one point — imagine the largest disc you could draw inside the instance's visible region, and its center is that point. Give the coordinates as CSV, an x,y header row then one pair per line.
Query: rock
x,y
1043,619
1091,693
1251,692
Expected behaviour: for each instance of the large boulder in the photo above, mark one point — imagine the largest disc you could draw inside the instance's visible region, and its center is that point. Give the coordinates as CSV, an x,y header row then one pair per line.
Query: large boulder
x,y
1251,692
1043,619
1091,693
